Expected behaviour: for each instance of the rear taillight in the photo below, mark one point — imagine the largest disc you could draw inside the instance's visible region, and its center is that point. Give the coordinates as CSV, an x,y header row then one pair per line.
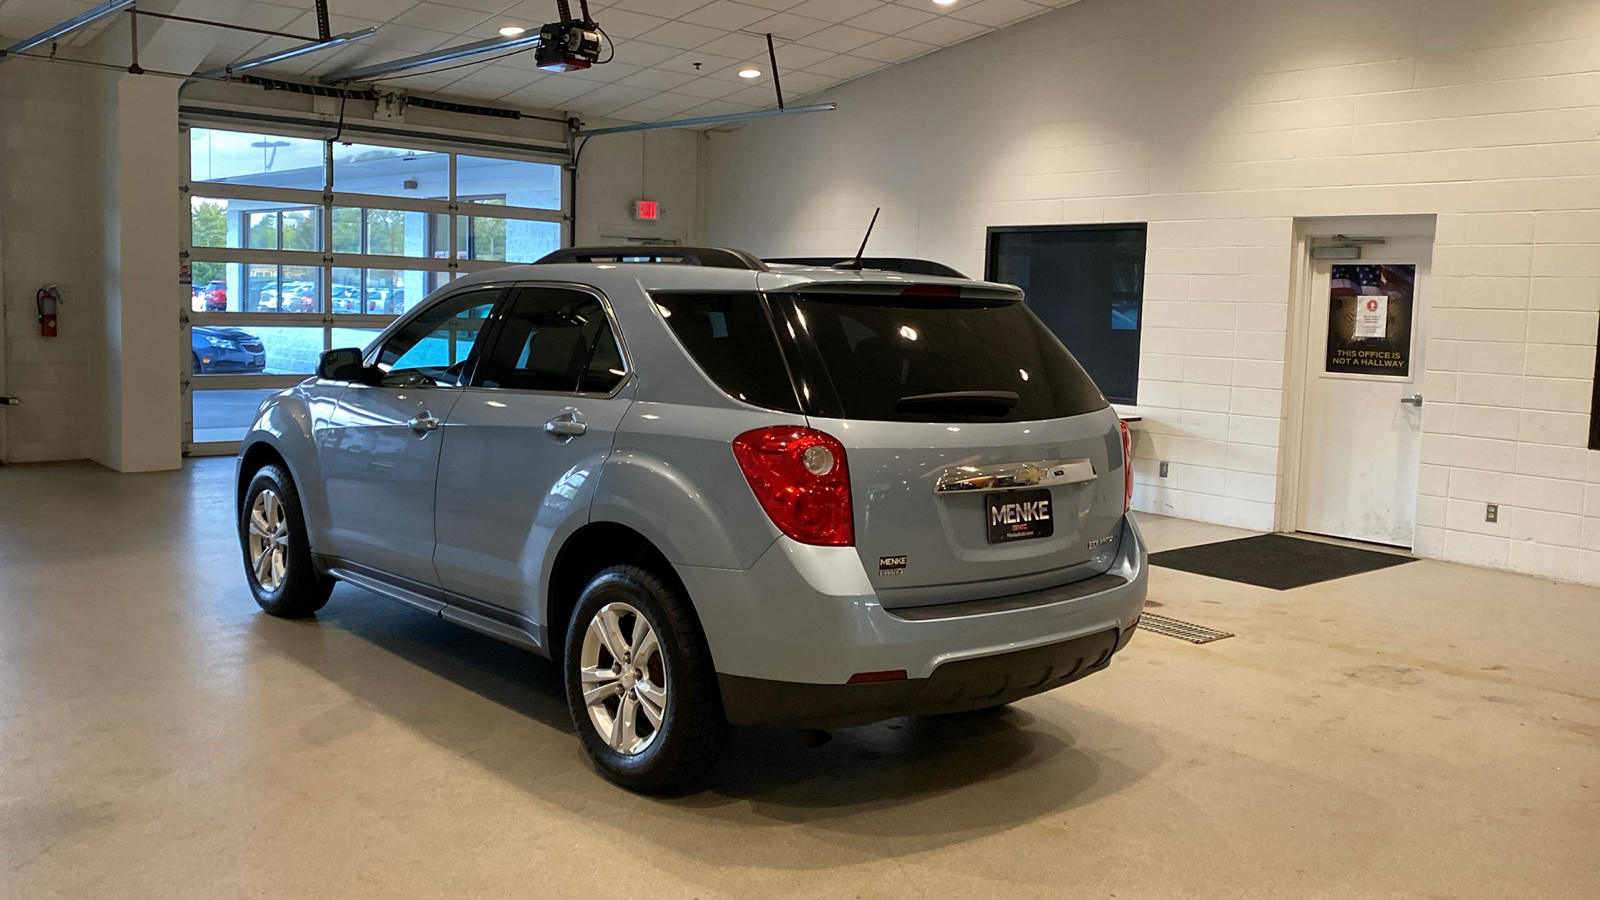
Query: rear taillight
x,y
800,477
1127,467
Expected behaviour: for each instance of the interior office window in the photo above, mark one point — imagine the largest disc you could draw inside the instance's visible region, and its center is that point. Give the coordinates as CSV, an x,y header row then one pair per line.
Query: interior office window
x,y
1087,283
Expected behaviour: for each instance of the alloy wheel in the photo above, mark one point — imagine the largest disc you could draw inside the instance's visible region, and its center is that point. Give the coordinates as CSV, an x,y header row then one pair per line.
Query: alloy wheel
x,y
623,677
269,540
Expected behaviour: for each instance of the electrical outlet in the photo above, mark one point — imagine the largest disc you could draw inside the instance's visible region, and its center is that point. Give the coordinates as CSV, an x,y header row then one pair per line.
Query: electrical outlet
x,y
1492,513
1164,468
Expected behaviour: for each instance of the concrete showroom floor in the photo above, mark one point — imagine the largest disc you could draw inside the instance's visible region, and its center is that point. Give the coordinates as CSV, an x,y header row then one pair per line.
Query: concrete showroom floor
x,y
1428,730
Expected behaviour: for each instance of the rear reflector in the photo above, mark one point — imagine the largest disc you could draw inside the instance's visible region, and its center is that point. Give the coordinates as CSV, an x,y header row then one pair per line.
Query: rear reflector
x,y
876,677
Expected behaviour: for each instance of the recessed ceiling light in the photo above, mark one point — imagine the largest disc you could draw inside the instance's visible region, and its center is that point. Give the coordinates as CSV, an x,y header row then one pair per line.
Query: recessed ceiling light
x,y
749,73
513,31
944,2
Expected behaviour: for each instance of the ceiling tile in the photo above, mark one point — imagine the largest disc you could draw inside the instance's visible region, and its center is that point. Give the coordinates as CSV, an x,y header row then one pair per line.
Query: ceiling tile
x,y
893,49
891,19
995,13
727,15
839,38
944,31
845,66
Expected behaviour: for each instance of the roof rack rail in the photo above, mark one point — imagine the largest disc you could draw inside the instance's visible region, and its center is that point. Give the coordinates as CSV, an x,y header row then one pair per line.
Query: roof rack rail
x,y
711,257
879,263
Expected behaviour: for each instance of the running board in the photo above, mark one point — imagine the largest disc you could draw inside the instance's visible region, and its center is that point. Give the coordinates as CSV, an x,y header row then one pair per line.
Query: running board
x,y
441,608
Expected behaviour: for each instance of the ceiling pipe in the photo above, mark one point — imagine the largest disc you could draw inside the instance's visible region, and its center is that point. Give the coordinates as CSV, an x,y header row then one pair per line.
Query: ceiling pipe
x,y
67,27
337,40
434,58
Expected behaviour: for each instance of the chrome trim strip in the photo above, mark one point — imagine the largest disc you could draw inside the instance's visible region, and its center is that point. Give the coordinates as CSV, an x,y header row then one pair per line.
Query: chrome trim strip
x,y
1006,476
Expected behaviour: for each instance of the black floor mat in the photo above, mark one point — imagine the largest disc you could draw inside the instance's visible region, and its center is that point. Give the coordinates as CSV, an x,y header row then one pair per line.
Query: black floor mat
x,y
1276,561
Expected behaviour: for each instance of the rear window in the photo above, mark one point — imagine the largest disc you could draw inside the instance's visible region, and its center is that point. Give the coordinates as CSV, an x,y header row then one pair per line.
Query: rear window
x,y
936,360
730,337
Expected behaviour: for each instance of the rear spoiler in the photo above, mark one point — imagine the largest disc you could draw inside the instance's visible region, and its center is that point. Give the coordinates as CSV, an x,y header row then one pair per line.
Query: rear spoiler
x,y
928,292
878,263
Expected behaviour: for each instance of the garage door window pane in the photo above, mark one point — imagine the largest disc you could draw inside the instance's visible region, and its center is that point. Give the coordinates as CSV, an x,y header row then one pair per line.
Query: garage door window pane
x,y
390,232
528,185
382,292
267,160
257,288
506,240
391,172
226,415
253,224
253,350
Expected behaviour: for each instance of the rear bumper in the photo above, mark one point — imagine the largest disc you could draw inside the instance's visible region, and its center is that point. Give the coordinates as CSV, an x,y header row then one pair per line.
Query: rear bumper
x,y
954,687
787,635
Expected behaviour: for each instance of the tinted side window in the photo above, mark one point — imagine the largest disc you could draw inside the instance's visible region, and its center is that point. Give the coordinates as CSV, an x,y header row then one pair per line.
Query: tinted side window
x,y
433,349
731,338
554,340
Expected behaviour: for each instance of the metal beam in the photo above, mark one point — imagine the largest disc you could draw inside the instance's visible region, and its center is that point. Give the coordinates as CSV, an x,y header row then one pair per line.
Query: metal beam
x,y
710,120
434,58
67,27
337,40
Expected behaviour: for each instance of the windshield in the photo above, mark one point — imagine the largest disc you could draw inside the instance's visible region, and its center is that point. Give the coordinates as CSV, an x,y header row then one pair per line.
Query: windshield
x,y
933,359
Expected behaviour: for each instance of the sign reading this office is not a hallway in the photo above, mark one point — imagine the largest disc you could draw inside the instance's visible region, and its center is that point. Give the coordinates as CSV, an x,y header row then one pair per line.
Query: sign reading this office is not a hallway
x,y
1369,320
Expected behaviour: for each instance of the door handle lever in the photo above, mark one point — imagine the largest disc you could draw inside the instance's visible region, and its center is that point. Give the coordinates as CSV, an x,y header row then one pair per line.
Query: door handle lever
x,y
566,426
423,424
1414,400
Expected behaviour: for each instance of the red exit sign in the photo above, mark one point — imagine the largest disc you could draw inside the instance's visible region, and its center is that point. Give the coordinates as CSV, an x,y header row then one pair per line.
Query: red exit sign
x,y
646,210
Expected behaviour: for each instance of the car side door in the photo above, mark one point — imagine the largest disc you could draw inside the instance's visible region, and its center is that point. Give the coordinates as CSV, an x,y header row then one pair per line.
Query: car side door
x,y
525,446
380,451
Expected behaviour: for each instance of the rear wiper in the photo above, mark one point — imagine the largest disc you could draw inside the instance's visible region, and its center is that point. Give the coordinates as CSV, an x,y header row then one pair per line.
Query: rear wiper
x,y
974,403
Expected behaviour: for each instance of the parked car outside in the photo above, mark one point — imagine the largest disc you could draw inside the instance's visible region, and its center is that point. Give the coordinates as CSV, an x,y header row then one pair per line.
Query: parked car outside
x,y
226,351
297,296
718,492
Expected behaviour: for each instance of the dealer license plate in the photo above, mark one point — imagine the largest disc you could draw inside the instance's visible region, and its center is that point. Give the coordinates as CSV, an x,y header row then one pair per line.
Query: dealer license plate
x,y
1020,515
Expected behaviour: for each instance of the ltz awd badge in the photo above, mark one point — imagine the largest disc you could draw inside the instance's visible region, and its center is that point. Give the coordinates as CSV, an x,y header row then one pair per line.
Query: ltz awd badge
x,y
891,565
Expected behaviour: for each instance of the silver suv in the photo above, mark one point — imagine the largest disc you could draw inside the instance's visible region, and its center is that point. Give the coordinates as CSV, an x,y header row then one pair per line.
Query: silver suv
x,y
717,490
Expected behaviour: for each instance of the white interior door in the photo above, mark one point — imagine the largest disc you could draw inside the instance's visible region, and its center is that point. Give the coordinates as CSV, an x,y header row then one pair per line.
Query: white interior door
x,y
1361,446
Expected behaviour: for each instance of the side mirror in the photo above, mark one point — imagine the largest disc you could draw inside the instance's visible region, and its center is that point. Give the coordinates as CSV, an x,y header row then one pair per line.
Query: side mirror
x,y
341,365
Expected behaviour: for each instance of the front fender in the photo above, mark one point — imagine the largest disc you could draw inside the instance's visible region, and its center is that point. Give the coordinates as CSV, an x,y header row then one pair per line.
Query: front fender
x,y
288,422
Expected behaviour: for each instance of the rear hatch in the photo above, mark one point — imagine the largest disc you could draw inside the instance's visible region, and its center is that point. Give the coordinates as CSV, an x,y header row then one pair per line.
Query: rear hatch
x,y
983,460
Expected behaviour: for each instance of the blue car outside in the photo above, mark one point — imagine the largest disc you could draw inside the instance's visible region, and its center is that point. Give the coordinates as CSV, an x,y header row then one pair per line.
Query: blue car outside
x,y
227,351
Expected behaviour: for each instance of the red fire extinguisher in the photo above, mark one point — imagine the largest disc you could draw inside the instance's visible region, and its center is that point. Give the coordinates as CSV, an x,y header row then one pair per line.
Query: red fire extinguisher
x,y
47,299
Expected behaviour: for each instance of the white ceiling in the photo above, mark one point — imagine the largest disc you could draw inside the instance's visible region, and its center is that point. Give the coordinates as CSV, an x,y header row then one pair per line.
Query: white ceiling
x,y
821,43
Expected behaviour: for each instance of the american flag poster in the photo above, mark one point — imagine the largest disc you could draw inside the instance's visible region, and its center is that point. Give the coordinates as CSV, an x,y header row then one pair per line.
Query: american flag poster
x,y
1369,319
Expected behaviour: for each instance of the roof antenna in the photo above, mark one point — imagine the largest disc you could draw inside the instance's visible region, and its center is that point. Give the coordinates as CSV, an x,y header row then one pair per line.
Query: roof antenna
x,y
855,263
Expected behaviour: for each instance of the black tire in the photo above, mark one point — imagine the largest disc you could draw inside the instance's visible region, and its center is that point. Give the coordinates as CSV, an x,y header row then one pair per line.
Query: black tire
x,y
693,730
300,590
196,358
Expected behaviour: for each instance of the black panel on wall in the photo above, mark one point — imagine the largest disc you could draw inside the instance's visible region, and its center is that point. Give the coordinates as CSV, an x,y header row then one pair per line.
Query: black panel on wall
x,y
1594,405
1087,283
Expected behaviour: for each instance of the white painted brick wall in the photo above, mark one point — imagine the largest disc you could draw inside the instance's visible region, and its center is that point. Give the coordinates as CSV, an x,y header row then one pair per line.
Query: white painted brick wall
x,y
1219,123
43,210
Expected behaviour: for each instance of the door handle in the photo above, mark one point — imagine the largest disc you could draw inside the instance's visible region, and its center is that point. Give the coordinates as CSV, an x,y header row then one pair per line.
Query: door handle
x,y
423,424
1414,400
566,426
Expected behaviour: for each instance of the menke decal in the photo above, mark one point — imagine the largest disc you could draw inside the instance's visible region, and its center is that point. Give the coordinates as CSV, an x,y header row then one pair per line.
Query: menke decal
x,y
891,565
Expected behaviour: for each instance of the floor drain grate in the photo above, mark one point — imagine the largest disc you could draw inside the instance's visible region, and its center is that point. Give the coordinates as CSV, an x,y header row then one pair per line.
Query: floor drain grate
x,y
1187,631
